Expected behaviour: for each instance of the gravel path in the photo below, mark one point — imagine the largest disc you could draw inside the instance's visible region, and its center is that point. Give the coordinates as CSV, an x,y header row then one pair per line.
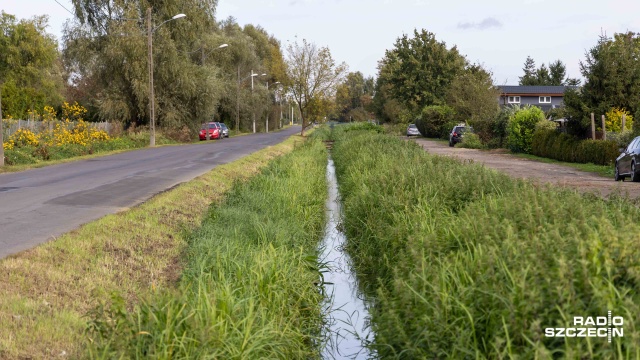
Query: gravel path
x,y
537,171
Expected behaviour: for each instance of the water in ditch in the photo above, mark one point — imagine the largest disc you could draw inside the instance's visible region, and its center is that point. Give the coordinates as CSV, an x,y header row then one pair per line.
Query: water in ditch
x,y
348,315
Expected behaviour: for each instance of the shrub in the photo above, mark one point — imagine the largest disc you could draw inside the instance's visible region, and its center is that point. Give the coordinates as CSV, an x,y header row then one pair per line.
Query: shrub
x,y
613,120
521,127
471,141
433,120
499,127
563,147
19,156
621,138
183,134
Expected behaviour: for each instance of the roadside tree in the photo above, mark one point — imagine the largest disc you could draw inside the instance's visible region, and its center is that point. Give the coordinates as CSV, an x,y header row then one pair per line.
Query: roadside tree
x,y
314,76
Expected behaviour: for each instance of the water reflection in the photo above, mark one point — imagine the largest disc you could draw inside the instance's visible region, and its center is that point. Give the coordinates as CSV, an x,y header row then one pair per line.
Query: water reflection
x,y
348,323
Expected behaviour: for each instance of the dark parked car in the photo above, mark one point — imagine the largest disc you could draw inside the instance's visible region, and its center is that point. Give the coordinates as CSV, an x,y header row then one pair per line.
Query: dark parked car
x,y
412,130
225,130
215,131
628,163
456,135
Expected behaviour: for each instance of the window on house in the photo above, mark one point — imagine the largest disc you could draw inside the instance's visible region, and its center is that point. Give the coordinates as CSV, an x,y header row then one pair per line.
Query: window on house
x,y
514,99
545,99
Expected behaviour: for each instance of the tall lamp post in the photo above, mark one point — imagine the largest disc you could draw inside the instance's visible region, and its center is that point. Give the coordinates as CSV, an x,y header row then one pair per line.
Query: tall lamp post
x,y
150,31
206,124
254,111
266,129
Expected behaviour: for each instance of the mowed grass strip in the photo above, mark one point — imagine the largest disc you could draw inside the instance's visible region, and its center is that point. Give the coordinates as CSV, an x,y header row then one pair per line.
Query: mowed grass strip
x,y
45,292
250,283
464,262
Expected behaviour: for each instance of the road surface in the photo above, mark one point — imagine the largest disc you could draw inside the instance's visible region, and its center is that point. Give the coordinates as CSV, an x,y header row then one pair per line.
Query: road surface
x,y
536,171
41,204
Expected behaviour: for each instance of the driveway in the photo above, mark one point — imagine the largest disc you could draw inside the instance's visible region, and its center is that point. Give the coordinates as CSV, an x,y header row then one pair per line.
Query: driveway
x,y
40,204
536,171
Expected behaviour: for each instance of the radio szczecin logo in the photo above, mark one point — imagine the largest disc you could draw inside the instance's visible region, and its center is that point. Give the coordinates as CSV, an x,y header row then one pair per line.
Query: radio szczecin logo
x,y
599,326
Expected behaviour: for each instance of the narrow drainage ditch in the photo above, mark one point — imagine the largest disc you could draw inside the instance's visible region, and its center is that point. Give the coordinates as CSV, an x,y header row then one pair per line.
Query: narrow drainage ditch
x,y
348,316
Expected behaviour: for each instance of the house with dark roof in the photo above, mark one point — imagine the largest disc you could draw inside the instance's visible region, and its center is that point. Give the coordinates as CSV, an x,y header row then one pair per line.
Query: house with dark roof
x,y
544,97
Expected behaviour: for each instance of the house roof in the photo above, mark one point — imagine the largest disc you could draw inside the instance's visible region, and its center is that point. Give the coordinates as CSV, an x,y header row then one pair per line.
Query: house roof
x,y
533,90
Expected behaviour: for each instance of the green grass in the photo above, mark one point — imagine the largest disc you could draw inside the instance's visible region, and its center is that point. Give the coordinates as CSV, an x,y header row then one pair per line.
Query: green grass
x,y
46,292
249,288
465,262
602,170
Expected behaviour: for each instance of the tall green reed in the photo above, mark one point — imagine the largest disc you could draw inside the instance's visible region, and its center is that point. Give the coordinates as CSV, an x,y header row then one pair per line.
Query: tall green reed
x,y
464,262
250,286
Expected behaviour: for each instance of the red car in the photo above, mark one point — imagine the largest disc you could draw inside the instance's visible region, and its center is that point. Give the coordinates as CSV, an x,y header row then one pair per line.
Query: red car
x,y
215,131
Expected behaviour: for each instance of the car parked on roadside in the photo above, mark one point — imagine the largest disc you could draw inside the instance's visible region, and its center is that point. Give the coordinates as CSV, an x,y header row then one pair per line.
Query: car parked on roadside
x,y
457,134
628,163
412,130
225,130
214,128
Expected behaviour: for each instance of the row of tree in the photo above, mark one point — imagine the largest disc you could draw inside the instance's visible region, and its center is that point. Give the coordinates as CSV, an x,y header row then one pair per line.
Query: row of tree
x,y
421,79
103,65
554,75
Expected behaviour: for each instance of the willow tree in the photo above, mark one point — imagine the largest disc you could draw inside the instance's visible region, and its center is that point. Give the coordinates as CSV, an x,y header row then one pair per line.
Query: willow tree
x,y
105,48
314,76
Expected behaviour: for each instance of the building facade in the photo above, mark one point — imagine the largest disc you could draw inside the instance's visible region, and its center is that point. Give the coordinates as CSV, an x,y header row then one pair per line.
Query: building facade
x,y
544,97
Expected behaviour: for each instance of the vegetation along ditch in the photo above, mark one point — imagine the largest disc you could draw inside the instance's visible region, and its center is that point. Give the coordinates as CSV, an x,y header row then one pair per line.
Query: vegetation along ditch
x,y
459,261
250,285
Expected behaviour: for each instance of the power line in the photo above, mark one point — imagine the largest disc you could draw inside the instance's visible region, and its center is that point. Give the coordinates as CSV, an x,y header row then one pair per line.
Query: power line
x,y
65,8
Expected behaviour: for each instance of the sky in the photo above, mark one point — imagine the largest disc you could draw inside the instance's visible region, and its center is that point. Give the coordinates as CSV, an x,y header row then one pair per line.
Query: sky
x,y
498,34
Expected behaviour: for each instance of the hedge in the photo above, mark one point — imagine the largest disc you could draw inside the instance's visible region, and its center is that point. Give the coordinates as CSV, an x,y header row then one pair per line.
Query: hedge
x,y
563,147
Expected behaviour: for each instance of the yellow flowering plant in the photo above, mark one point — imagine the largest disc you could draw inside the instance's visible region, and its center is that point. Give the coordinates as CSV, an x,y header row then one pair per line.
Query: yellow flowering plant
x,y
24,137
613,120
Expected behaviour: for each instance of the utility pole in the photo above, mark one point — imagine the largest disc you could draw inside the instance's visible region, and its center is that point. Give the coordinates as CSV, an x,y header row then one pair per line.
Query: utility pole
x,y
152,115
280,112
252,109
238,103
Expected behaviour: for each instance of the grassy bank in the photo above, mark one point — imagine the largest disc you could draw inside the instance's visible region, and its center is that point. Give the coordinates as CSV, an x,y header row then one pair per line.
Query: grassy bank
x,y
45,292
464,262
249,286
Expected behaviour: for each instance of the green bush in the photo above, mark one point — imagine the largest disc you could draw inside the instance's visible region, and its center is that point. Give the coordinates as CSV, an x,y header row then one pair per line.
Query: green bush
x,y
19,156
434,120
461,262
563,147
471,141
521,127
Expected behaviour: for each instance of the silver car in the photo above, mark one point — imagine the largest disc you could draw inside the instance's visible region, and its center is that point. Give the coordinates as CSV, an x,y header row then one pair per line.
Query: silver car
x,y
412,130
225,130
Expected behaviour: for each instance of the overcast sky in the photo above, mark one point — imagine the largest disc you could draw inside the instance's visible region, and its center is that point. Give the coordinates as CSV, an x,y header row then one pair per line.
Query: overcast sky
x,y
499,34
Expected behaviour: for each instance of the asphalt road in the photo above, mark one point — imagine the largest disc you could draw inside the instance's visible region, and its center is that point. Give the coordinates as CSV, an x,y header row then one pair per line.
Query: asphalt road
x,y
41,204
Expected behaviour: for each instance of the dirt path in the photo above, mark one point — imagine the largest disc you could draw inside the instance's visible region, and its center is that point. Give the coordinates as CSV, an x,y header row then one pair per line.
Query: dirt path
x,y
537,171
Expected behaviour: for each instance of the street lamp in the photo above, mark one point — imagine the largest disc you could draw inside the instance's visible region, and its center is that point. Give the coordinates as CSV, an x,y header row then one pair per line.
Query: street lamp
x,y
266,129
254,112
150,31
206,125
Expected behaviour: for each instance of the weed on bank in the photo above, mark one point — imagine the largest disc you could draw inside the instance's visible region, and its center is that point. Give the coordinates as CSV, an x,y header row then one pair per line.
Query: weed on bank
x,y
460,261
249,288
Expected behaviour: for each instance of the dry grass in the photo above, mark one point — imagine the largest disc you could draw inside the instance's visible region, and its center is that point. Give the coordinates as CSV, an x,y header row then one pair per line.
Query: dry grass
x,y
46,291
